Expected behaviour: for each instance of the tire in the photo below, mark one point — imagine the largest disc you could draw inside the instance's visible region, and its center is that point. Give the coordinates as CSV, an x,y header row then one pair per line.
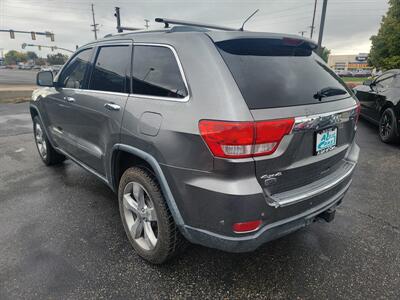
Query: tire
x,y
46,151
388,126
152,212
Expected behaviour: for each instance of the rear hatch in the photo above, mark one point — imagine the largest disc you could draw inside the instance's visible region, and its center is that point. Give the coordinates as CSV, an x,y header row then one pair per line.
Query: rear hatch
x,y
282,78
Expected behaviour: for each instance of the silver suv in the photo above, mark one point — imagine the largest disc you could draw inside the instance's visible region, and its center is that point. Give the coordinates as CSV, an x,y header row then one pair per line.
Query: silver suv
x,y
227,139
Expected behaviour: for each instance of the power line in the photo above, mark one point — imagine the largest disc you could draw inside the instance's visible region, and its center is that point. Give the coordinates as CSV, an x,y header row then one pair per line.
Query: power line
x,y
94,24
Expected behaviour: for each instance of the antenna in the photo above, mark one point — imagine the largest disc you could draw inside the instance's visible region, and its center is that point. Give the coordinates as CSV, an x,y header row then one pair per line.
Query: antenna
x,y
248,18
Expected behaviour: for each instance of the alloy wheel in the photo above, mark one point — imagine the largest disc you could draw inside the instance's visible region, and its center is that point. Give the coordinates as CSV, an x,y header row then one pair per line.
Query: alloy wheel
x,y
386,125
140,216
40,141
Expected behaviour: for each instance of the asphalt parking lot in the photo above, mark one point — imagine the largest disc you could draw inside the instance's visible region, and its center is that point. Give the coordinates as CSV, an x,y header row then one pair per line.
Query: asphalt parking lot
x,y
61,237
16,77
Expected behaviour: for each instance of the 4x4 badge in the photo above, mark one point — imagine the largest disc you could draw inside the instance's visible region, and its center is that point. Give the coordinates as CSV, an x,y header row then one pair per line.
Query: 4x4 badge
x,y
268,176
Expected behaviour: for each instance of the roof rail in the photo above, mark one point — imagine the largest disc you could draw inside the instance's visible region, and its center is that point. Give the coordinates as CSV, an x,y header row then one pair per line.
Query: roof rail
x,y
167,22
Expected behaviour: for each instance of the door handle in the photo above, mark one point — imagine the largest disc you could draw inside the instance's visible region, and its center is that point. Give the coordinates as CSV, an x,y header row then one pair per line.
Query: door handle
x,y
69,99
112,106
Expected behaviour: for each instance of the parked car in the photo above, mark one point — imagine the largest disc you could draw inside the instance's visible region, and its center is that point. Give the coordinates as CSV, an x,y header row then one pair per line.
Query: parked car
x,y
344,73
379,100
45,68
25,66
362,73
208,136
56,68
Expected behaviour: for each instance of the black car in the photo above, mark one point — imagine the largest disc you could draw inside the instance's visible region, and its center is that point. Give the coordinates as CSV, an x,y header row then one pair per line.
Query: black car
x,y
379,100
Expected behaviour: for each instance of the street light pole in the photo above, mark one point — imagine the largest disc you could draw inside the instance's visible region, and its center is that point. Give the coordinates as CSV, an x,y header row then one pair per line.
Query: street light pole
x,y
321,27
24,45
313,19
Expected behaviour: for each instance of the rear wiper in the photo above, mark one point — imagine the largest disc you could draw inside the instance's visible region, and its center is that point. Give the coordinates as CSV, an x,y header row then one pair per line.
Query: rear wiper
x,y
328,92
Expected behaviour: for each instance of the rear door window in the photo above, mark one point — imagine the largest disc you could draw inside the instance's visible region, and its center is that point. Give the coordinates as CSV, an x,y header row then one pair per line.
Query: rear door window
x,y
156,72
278,73
111,69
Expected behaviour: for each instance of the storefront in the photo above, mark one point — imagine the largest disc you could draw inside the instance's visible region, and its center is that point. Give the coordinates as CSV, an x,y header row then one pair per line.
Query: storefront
x,y
353,62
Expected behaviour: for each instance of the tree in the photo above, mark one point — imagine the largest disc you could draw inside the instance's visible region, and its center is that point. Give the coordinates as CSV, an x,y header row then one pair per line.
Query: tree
x,y
325,54
385,50
31,55
13,57
40,61
56,59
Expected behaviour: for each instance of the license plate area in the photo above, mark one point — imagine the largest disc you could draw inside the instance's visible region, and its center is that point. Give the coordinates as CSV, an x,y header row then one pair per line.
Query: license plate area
x,y
325,140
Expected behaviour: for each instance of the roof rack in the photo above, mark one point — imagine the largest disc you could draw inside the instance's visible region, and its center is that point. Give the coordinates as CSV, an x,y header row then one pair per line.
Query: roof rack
x,y
167,22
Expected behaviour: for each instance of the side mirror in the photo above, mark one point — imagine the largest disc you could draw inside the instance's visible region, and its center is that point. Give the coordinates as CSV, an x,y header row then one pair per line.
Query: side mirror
x,y
44,78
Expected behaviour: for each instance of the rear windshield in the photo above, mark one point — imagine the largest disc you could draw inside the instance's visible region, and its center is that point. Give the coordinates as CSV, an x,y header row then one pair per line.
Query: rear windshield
x,y
277,73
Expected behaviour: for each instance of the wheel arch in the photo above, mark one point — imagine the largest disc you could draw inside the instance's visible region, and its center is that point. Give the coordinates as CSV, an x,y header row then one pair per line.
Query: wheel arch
x,y
34,111
136,156
387,105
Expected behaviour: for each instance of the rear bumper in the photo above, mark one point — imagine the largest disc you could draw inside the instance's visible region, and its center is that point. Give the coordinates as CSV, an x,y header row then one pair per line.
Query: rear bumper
x,y
210,205
267,233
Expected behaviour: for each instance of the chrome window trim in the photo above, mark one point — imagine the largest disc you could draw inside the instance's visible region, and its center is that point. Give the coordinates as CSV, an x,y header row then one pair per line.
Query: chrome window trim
x,y
113,43
187,97
80,91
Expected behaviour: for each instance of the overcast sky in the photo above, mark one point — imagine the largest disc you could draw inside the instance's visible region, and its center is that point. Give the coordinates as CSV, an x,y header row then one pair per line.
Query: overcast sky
x,y
349,23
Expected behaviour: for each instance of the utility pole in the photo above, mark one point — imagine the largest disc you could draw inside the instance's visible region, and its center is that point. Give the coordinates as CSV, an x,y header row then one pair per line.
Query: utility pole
x,y
147,23
117,15
302,32
94,24
321,27
313,19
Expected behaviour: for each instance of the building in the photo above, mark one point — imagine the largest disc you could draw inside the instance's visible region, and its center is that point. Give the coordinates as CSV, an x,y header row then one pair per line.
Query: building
x,y
351,62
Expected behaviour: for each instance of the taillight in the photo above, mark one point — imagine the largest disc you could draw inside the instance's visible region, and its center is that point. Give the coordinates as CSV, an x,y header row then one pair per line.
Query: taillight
x,y
244,139
228,139
269,134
